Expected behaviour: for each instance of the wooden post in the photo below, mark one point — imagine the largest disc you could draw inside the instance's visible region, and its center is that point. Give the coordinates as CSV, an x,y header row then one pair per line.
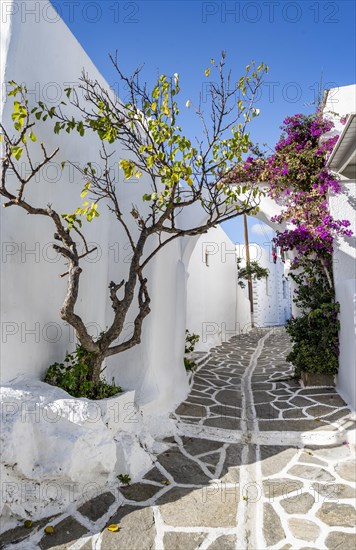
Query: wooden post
x,y
248,261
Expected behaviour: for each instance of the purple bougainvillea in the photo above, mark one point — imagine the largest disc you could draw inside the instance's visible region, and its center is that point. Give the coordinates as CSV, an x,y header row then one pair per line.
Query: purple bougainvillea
x,y
297,177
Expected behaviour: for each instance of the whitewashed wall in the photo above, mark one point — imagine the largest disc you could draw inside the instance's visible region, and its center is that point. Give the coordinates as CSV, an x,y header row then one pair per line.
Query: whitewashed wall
x,y
216,311
344,268
343,101
272,296
43,54
33,335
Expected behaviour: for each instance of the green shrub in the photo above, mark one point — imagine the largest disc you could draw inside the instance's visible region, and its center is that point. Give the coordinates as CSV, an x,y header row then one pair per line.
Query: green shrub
x,y
315,340
74,376
189,364
190,342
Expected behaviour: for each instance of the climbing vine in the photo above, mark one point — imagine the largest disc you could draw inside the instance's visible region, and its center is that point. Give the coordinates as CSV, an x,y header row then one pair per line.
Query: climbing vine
x,y
299,180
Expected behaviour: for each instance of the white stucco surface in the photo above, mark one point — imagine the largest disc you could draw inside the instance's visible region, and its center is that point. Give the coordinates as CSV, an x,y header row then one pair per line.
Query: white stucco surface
x,y
185,292
33,335
272,296
216,311
343,101
58,451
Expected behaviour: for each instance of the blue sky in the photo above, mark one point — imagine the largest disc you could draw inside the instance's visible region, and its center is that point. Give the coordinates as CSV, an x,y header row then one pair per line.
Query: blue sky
x,y
300,41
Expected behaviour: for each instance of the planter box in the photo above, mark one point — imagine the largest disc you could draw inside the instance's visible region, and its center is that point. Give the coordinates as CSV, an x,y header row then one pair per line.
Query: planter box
x,y
315,379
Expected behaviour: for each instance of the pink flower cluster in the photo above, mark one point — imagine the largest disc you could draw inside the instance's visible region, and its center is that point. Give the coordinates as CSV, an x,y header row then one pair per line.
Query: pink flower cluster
x,y
298,177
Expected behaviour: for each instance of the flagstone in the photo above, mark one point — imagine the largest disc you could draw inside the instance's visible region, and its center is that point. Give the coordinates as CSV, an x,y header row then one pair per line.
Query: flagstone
x,y
223,422
20,532
272,528
335,514
155,475
319,410
139,491
97,507
206,507
225,410
311,459
311,472
137,530
229,397
211,459
65,534
182,541
334,452
225,542
293,425
186,409
304,529
340,541
280,487
333,399
262,397
274,458
334,490
182,469
299,504
347,470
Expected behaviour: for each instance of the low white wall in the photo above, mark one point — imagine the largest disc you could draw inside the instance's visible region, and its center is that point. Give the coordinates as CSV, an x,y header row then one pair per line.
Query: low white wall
x,y
216,311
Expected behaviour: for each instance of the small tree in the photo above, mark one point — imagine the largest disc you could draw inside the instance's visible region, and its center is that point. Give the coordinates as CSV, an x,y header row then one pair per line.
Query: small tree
x,y
180,175
253,270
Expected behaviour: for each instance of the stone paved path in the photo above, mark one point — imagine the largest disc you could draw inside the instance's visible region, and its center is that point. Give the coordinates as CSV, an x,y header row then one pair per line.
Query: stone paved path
x,y
258,463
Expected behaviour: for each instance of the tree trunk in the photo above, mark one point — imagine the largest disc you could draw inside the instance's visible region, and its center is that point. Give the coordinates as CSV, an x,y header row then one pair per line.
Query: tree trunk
x,y
95,367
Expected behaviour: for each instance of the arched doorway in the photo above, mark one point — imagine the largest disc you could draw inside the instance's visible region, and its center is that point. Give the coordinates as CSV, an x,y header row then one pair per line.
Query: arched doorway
x,y
217,308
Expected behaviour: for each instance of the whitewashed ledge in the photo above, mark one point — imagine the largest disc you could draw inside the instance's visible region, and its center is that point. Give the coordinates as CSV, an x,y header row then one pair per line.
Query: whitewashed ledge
x,y
58,450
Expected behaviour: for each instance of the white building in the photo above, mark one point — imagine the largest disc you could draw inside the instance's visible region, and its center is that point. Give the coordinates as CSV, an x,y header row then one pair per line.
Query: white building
x,y
272,303
217,308
272,296
342,161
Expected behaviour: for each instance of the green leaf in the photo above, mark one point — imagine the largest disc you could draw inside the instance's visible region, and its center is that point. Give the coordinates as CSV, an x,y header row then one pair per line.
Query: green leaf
x,y
128,168
16,151
207,72
32,136
85,190
150,161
